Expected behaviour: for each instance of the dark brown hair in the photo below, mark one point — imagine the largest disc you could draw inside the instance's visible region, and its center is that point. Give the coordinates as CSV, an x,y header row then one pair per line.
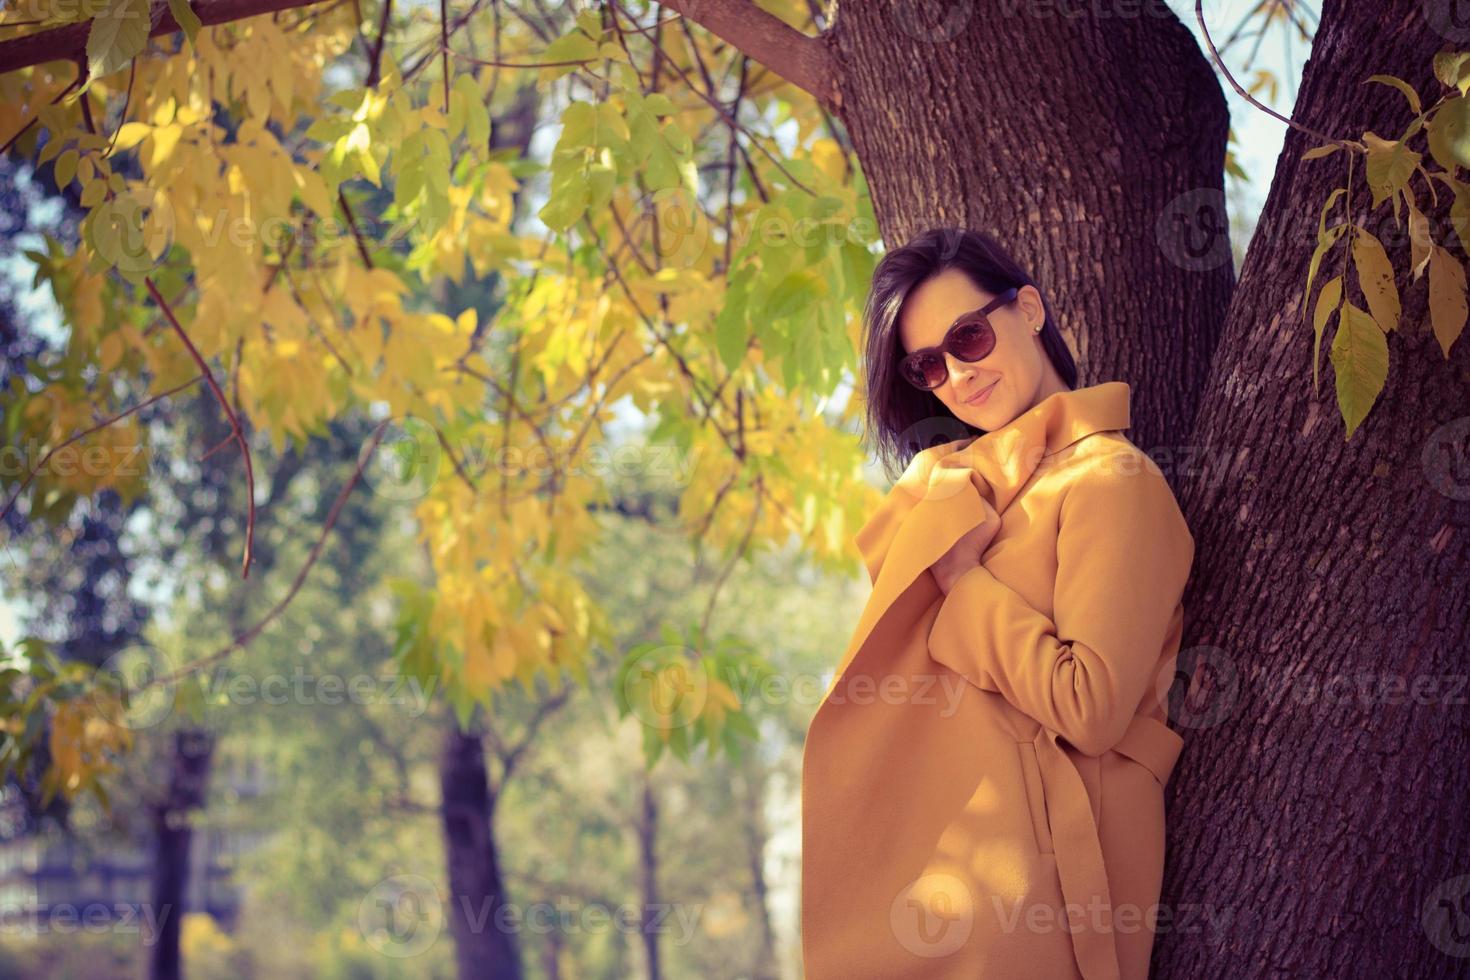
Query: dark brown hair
x,y
901,419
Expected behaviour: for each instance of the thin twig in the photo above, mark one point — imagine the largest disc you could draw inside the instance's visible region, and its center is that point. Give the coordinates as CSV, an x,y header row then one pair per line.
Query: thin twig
x,y
245,637
235,428
1200,16
376,56
367,260
32,121
31,474
444,40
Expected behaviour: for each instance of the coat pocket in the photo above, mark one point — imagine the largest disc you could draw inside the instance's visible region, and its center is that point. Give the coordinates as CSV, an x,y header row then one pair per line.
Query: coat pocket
x,y
1035,796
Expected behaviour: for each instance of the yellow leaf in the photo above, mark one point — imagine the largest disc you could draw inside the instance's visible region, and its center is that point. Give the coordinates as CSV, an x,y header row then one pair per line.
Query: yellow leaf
x,y
165,138
111,353
1375,278
1360,364
65,168
1327,301
130,135
829,158
1447,303
1419,237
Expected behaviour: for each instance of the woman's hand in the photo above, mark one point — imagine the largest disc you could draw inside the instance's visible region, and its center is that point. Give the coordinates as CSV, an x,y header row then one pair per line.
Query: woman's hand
x,y
965,553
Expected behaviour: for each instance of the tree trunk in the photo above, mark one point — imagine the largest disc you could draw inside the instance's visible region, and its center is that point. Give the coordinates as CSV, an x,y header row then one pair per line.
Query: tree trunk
x,y
485,945
551,954
1313,824
753,823
483,950
648,858
1092,148
188,786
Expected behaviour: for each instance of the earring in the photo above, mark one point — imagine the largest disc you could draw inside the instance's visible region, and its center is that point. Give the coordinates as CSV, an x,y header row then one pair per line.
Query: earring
x,y
1037,328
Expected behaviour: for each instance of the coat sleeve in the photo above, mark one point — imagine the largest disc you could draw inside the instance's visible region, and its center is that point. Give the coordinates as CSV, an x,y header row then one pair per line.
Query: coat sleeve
x,y
1124,553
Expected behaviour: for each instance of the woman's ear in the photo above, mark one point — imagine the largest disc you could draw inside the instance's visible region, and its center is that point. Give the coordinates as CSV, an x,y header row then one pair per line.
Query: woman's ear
x,y
1028,300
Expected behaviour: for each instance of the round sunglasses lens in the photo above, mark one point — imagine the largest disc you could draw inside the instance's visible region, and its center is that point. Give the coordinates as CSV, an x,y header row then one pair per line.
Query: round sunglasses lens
x,y
925,371
935,371
972,341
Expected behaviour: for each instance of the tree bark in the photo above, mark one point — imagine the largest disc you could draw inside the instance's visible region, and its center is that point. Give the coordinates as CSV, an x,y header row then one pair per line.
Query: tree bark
x,y
187,790
1312,825
485,948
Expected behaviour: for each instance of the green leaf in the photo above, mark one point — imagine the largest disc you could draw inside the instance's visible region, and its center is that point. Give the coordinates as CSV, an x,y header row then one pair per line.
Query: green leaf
x,y
566,203
798,289
65,169
1453,69
188,20
572,46
590,21
1360,361
116,35
857,271
476,115
1390,165
1449,134
659,104
189,698
732,333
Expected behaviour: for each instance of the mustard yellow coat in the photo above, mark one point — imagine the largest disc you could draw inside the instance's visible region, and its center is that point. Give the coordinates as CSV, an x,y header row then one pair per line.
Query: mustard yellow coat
x,y
982,783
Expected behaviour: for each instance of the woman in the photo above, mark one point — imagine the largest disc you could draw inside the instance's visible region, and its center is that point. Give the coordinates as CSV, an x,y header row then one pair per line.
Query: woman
x,y
982,784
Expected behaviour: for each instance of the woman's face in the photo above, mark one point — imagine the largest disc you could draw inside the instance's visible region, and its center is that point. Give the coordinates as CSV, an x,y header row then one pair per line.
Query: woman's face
x,y
1011,378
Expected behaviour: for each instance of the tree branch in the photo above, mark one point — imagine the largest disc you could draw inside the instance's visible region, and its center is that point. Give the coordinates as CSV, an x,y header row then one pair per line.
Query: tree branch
x,y
237,432
801,59
241,639
69,43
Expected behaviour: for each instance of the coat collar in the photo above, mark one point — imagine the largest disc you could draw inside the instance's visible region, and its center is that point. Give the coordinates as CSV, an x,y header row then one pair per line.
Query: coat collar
x,y
999,462
948,489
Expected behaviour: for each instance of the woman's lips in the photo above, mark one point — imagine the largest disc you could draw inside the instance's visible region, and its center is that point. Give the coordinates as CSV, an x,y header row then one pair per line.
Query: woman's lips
x,y
983,395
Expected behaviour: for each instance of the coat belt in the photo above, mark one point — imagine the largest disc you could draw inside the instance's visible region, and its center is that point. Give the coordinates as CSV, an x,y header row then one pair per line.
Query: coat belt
x,y
1075,840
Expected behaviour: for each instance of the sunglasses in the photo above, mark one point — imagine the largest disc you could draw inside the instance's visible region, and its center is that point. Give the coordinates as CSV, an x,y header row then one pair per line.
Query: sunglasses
x,y
969,338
